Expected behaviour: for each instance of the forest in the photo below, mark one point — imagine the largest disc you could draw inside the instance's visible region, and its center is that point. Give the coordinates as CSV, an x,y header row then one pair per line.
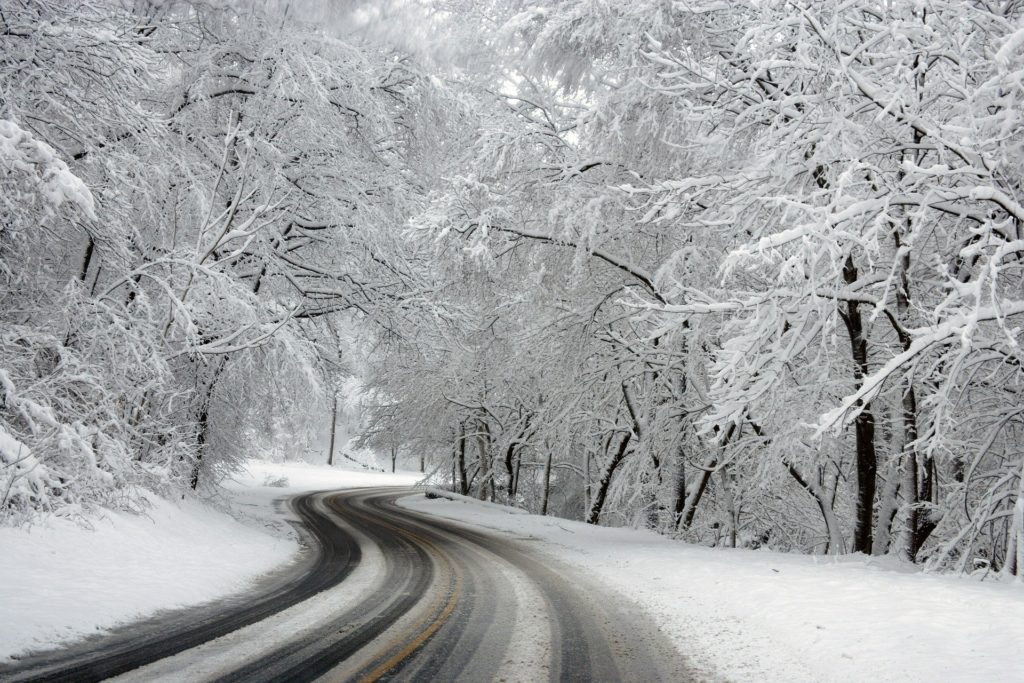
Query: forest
x,y
747,273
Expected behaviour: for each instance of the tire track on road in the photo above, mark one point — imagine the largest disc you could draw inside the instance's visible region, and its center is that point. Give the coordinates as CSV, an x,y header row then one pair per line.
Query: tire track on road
x,y
334,556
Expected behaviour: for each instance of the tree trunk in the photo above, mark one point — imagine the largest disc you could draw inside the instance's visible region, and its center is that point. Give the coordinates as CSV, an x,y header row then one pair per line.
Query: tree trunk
x,y
515,479
836,544
731,504
334,425
86,260
96,280
864,424
510,491
694,496
586,480
679,489
888,505
547,483
483,442
606,478
512,471
461,460
203,422
922,523
1014,565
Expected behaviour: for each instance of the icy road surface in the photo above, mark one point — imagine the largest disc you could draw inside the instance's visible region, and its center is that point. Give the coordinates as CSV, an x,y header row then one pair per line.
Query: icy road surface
x,y
392,593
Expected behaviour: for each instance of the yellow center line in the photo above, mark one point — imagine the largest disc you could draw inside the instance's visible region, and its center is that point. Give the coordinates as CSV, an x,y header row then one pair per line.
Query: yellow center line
x,y
416,642
438,621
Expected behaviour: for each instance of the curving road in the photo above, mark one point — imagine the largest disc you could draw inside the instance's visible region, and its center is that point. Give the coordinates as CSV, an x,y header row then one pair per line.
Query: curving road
x,y
391,594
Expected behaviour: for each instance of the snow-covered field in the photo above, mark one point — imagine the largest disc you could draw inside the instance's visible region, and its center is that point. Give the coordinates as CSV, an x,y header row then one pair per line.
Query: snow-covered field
x,y
60,581
763,616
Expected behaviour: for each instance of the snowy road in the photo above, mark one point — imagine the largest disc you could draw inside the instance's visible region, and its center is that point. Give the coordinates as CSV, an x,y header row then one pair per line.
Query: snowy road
x,y
393,594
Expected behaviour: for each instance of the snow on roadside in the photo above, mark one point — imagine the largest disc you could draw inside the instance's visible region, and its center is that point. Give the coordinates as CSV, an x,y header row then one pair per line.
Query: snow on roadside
x,y
60,582
301,476
759,615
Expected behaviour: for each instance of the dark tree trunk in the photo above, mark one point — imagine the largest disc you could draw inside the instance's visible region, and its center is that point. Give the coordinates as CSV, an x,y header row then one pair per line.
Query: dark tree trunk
x,y
203,422
515,477
922,523
86,260
461,460
509,455
606,479
864,424
679,494
587,455
96,280
920,467
204,417
693,499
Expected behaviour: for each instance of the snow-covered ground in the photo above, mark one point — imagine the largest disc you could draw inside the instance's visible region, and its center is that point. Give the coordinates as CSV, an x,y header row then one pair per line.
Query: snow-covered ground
x,y
60,581
762,616
738,615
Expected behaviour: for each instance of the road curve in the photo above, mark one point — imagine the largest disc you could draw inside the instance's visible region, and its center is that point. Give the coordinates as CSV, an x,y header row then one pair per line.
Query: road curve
x,y
332,554
392,595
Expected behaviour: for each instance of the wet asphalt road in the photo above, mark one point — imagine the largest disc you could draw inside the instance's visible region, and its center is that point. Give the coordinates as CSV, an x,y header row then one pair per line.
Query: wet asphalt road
x,y
444,602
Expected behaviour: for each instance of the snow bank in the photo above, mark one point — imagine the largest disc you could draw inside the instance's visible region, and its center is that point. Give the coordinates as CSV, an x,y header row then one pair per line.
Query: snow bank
x,y
764,616
301,476
60,581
